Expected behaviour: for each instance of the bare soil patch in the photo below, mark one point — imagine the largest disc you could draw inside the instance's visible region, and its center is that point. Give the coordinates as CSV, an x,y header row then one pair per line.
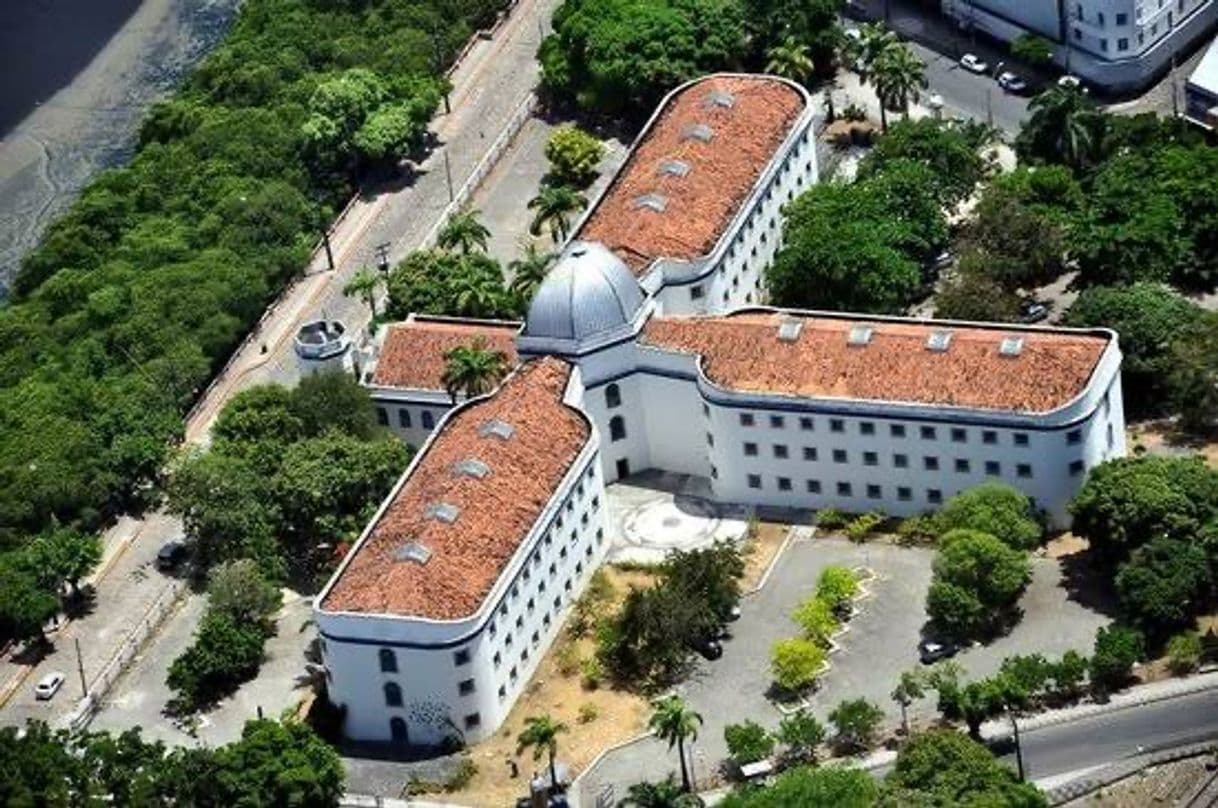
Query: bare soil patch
x,y
1163,438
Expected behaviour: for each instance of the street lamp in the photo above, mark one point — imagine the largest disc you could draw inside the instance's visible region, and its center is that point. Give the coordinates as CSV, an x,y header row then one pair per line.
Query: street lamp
x,y
1018,746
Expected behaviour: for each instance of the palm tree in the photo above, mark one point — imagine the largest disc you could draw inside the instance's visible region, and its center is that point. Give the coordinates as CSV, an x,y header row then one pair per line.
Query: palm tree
x,y
476,295
464,232
674,721
898,75
552,208
666,794
1063,122
863,51
790,59
364,284
910,687
541,733
473,369
528,272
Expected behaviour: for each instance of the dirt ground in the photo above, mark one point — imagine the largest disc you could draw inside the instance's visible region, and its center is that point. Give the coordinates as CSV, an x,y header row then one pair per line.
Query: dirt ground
x,y
618,714
1165,785
1160,437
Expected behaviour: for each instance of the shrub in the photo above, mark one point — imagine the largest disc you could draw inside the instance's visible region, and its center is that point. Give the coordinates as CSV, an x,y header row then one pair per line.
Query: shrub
x,y
994,508
863,525
817,620
1117,649
1184,653
748,742
592,673
801,733
574,155
567,659
810,787
831,519
224,654
920,529
796,663
855,723
588,712
837,586
461,776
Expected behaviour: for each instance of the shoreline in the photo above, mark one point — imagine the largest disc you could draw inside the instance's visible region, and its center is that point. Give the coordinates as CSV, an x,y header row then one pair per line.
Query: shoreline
x,y
91,123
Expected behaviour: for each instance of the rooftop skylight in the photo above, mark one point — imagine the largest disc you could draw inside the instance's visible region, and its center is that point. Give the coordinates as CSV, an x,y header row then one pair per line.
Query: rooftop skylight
x,y
412,551
472,467
499,428
860,335
1011,346
698,131
444,511
674,168
720,98
788,329
652,201
939,340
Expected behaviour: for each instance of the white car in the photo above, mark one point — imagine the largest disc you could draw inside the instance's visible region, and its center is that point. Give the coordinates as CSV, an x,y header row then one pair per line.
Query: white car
x,y
1071,82
48,686
973,63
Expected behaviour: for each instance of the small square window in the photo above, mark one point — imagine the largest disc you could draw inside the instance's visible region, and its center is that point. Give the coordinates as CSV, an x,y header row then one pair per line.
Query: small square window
x,y
465,687
472,721
1074,437
870,459
839,455
461,657
695,292
896,430
750,449
1021,438
930,463
992,468
746,419
934,496
714,473
705,410
1023,470
1076,468
873,491
777,422
813,486
962,465
382,416
754,481
866,427
784,483
837,425
806,423
710,439
780,451
810,453
904,494
959,435
404,418
900,461
843,489
989,437
927,432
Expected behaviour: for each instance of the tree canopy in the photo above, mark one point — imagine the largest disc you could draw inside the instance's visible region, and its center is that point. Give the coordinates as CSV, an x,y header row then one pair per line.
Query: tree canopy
x,y
943,767
994,508
977,580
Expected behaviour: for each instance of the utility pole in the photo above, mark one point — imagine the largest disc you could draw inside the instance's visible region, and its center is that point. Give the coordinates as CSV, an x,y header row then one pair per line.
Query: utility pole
x,y
448,175
80,667
325,238
989,107
1175,103
1018,747
382,257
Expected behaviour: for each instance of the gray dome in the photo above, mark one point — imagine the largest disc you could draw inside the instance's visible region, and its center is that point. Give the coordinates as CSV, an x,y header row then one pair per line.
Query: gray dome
x,y
590,291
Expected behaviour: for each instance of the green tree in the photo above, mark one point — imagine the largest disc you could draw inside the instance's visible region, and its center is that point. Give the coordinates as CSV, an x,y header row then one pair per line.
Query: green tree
x,y
1151,319
541,734
1163,585
801,733
993,508
1117,649
529,271
977,580
24,605
1063,127
436,282
1194,376
674,721
553,208
898,76
837,586
748,742
863,51
327,402
817,620
390,131
257,421
62,557
795,663
855,724
473,370
240,590
943,767
709,576
1184,652
665,794
790,59
279,763
464,232
809,787
1069,674
574,156
910,687
1019,243
337,109
364,285
951,151
973,296
1033,49
224,654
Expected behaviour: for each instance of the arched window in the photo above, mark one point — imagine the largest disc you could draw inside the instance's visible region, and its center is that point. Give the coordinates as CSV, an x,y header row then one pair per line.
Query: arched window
x,y
397,728
393,694
428,421
389,661
613,396
617,428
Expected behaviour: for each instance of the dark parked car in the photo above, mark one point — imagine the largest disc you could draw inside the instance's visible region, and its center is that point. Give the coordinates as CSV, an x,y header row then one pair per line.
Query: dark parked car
x,y
170,555
709,648
1033,312
930,651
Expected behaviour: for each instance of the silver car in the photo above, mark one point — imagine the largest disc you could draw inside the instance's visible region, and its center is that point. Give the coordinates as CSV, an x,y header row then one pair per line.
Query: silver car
x,y
48,686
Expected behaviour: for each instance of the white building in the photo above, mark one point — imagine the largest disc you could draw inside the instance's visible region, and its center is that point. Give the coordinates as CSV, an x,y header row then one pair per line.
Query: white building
x,y
1201,90
438,615
1121,45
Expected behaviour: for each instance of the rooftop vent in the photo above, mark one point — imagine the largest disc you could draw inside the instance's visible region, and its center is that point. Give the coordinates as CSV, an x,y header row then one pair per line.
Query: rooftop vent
x,y
412,551
472,467
444,511
788,329
860,335
652,201
500,429
1011,346
674,168
939,340
720,98
698,131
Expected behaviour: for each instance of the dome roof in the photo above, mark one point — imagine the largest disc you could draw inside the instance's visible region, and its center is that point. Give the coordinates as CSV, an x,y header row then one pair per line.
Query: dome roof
x,y
589,292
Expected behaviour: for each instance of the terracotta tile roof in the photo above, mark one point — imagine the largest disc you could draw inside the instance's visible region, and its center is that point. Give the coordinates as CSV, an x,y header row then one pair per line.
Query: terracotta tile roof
x,y
493,513
743,352
721,171
412,354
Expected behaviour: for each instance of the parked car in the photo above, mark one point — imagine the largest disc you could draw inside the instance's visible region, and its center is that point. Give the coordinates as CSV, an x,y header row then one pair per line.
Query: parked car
x,y
170,555
709,648
1012,83
1071,82
48,686
973,63
1032,312
930,651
